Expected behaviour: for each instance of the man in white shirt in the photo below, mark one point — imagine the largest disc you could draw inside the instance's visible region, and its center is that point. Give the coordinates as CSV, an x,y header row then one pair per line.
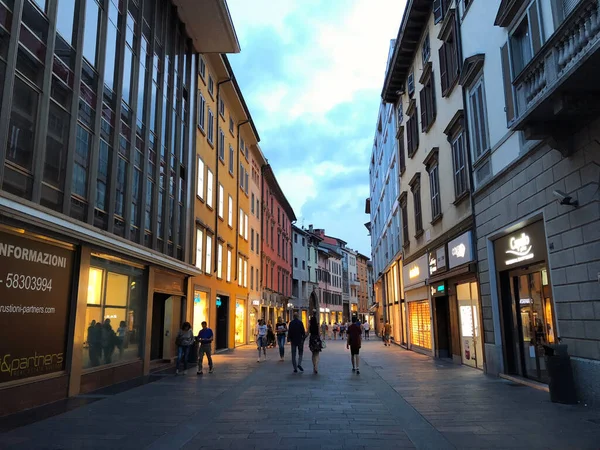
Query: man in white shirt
x,y
261,338
366,328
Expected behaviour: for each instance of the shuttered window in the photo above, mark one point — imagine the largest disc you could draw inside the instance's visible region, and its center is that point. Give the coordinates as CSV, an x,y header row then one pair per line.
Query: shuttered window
x,y
412,134
478,122
508,87
449,70
428,104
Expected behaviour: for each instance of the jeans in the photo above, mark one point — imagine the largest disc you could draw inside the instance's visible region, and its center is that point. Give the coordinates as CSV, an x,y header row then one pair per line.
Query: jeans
x,y
182,351
300,349
281,343
205,349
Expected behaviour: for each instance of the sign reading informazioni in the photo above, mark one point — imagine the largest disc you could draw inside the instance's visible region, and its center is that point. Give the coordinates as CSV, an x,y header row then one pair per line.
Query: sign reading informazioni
x,y
35,285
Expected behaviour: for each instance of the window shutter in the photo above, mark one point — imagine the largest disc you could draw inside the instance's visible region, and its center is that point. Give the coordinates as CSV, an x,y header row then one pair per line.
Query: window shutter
x,y
433,104
438,10
409,137
535,27
423,102
508,88
443,68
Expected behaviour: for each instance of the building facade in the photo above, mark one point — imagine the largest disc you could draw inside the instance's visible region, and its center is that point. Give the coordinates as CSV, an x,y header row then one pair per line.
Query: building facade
x,y
363,285
536,173
301,290
329,274
277,269
97,180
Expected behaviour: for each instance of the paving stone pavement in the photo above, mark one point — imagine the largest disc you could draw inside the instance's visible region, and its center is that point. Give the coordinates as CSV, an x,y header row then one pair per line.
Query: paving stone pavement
x,y
400,400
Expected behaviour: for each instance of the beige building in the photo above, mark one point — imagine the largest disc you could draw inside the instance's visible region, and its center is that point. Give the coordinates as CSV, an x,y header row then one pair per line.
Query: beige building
x,y
435,190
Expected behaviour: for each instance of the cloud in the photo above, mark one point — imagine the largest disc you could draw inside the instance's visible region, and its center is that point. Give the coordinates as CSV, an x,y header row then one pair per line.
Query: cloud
x,y
311,72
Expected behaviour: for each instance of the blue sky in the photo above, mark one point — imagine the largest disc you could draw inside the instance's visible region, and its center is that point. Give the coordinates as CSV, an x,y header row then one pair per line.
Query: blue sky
x,y
311,72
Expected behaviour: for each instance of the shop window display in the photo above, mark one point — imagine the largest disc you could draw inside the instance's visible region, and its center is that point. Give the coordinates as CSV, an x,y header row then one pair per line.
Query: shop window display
x,y
115,313
420,324
200,310
240,314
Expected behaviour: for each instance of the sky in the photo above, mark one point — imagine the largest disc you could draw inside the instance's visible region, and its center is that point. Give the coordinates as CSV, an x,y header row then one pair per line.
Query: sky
x,y
311,72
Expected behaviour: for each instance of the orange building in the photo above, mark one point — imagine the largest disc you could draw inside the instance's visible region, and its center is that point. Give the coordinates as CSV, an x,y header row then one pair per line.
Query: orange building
x,y
224,137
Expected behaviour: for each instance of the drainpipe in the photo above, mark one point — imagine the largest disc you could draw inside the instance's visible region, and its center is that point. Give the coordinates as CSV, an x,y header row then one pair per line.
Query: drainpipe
x,y
216,239
237,199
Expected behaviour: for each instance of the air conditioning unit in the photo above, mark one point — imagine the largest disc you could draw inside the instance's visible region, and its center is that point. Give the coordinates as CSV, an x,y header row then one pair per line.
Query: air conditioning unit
x,y
411,84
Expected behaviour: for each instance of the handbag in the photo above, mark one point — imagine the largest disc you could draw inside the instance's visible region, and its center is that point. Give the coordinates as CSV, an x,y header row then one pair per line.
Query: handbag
x,y
323,344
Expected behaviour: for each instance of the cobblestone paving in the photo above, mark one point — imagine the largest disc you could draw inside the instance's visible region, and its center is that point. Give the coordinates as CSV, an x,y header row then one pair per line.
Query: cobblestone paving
x,y
399,400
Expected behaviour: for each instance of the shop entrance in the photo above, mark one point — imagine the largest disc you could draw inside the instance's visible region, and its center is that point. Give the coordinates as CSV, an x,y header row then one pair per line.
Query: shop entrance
x,y
166,320
471,345
240,319
534,320
443,338
222,322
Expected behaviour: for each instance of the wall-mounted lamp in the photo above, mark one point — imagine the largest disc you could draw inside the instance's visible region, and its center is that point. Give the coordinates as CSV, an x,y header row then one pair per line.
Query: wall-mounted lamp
x,y
565,199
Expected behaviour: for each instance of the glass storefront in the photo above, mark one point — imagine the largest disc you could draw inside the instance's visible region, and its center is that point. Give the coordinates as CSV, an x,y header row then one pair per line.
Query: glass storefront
x,y
252,322
200,310
240,318
471,344
115,313
420,324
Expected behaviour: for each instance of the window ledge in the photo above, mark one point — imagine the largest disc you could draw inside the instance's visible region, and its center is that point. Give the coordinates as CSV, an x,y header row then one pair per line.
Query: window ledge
x,y
418,234
429,126
209,207
200,198
212,144
482,159
201,128
436,219
232,133
221,219
461,198
222,160
450,88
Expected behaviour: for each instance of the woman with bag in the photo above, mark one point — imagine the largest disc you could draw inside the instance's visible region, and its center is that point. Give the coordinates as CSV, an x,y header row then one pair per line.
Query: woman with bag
x,y
315,344
183,341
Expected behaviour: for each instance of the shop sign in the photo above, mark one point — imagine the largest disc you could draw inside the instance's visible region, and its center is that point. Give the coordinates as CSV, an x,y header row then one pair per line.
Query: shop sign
x,y
521,247
437,260
35,288
256,302
460,250
438,289
416,271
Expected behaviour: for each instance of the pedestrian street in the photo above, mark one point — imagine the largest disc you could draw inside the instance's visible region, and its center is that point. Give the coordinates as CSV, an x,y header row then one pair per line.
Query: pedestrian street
x,y
401,399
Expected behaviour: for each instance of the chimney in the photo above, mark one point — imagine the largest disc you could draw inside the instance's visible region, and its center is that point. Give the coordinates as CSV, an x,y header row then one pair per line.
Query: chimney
x,y
310,228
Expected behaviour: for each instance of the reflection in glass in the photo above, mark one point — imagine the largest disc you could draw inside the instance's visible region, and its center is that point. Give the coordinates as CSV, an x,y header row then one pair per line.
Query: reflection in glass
x,y
64,19
127,69
57,141
81,162
121,180
102,180
23,121
111,46
90,29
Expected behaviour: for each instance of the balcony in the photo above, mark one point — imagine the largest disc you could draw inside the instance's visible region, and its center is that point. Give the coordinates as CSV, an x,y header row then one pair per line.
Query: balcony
x,y
558,91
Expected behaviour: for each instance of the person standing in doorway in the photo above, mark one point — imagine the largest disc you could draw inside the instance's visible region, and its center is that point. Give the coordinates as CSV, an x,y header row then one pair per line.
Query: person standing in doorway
x,y
354,343
296,336
205,340
387,331
314,343
261,339
281,329
367,328
184,340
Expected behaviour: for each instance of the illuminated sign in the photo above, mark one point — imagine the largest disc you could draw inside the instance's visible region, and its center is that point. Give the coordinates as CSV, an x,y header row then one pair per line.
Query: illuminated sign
x,y
219,302
437,260
256,302
414,272
438,289
520,248
460,250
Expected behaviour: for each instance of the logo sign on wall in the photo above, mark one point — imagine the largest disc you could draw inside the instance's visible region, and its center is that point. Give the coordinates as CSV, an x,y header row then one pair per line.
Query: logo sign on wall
x,y
460,250
416,271
437,261
521,247
35,288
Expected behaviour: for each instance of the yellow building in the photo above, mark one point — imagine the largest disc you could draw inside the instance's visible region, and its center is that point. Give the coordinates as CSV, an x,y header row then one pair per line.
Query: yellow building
x,y
224,137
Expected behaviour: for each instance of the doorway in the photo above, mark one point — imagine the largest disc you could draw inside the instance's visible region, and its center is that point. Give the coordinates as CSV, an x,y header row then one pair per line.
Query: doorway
x,y
166,320
442,328
222,322
534,314
471,345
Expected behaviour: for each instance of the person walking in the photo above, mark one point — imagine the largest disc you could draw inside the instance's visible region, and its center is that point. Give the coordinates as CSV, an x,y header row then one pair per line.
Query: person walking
x,y
324,330
335,330
281,328
314,343
366,327
387,331
354,343
261,339
296,336
183,341
205,340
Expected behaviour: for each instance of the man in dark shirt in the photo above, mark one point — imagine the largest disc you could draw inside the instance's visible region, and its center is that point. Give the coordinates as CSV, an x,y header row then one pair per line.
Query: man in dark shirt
x,y
353,343
205,339
296,336
281,329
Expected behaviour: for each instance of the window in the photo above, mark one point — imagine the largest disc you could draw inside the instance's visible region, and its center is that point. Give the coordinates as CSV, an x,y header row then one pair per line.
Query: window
x,y
295,262
221,200
207,265
202,68
412,135
209,188
295,237
401,151
434,188
252,277
211,86
460,166
222,107
257,243
231,161
246,226
303,265
303,242
221,145
201,111
241,222
231,125
239,270
426,51
90,37
478,122
252,204
520,45
245,273
439,9
220,260
228,265
199,239
415,186
428,104
410,82
449,66
252,239
230,216
210,133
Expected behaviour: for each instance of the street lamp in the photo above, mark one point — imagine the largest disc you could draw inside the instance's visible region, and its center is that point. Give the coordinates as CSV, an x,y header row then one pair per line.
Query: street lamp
x,y
290,306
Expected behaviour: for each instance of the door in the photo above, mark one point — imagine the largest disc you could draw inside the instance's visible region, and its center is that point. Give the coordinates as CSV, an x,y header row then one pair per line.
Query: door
x,y
471,344
442,327
222,321
535,321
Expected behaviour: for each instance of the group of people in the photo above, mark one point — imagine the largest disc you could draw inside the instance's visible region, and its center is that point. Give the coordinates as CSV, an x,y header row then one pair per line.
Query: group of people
x,y
185,342
342,329
102,341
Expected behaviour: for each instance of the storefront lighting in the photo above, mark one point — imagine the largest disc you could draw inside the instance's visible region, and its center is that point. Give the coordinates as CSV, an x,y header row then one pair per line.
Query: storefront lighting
x,y
414,272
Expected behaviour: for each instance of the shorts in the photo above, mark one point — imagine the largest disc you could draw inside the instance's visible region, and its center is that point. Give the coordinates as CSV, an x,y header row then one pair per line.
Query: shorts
x,y
387,337
354,350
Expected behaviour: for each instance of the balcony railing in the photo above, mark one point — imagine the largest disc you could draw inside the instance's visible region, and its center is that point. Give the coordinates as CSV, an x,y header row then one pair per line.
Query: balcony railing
x,y
573,43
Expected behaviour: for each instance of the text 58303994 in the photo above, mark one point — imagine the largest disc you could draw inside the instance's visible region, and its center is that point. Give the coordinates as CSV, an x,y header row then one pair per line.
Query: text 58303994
x,y
28,282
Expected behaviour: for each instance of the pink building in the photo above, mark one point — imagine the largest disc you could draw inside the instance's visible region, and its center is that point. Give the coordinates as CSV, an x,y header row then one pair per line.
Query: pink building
x,y
329,275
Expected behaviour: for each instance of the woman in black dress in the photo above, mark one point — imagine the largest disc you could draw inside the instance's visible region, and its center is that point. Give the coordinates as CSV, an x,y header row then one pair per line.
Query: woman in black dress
x,y
314,343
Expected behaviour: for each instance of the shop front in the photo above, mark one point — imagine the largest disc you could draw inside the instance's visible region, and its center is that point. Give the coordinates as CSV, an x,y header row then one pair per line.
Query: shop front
x,y
416,295
254,313
240,321
528,318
